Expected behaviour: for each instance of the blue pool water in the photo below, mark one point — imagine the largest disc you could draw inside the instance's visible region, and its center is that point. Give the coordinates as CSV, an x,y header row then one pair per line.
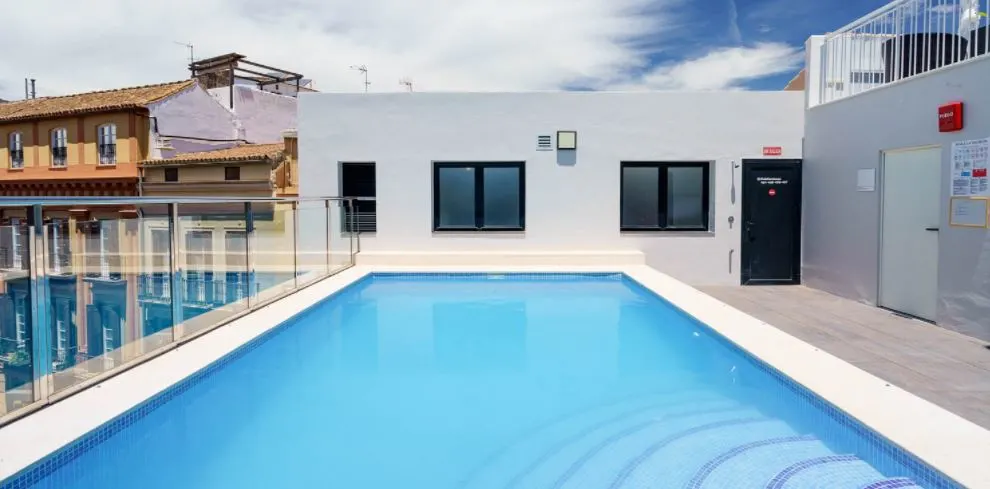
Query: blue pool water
x,y
485,382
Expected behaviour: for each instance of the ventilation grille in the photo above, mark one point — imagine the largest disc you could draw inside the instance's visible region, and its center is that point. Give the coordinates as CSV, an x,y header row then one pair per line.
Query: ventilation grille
x,y
544,143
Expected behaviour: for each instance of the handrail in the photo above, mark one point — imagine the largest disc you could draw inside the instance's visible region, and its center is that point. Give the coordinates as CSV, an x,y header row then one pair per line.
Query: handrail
x,y
64,201
900,40
93,297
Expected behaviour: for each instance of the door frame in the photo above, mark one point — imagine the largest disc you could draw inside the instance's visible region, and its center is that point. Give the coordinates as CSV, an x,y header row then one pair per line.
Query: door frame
x,y
747,168
882,184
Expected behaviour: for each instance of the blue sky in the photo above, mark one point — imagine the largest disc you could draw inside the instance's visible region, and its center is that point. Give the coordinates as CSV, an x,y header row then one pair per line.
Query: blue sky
x,y
789,22
442,45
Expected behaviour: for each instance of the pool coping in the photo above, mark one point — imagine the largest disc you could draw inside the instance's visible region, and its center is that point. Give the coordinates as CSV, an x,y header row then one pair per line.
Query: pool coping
x,y
945,441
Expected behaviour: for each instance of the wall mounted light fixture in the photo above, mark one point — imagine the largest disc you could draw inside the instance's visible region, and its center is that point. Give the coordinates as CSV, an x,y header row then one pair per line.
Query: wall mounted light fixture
x,y
566,139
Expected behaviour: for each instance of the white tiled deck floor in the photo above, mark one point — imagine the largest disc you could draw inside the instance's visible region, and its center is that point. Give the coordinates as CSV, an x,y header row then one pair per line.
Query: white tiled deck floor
x,y
944,367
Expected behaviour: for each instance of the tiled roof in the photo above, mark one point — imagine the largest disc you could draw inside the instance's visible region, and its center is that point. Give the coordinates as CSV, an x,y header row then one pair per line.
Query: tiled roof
x,y
798,82
244,152
90,102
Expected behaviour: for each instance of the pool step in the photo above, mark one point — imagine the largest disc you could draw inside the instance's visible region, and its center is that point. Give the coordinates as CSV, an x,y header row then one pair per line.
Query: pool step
x,y
536,448
663,447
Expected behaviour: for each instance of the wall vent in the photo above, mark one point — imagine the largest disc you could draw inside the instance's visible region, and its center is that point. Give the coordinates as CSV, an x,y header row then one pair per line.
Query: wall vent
x,y
544,143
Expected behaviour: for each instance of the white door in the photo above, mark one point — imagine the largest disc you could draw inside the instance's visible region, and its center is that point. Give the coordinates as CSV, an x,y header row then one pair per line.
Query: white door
x,y
912,193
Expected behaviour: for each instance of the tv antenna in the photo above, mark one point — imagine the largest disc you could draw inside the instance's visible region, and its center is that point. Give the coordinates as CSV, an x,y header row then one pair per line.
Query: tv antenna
x,y
188,46
407,82
363,70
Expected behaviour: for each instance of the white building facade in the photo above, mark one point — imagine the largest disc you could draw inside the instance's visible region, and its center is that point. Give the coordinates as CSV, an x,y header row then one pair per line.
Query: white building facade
x,y
654,177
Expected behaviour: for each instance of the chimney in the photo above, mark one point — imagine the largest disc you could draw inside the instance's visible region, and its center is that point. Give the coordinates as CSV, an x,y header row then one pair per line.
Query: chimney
x,y
291,140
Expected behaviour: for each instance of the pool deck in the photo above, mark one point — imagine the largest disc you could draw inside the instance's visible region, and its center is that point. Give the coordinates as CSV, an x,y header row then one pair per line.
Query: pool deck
x,y
941,366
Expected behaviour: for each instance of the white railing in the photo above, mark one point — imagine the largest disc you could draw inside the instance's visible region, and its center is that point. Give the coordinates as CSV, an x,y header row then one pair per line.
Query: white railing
x,y
905,38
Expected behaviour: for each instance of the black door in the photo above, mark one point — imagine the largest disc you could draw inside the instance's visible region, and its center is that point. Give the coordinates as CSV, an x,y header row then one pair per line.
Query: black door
x,y
771,218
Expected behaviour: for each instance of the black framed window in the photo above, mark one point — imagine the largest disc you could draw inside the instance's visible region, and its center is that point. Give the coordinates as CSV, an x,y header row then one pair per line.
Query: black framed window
x,y
664,196
232,173
171,174
479,196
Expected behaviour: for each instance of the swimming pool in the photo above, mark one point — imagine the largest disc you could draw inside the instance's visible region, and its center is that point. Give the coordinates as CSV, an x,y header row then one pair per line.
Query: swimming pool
x,y
486,381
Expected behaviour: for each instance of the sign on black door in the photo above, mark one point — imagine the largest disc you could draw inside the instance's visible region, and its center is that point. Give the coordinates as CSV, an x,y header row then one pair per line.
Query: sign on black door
x,y
771,222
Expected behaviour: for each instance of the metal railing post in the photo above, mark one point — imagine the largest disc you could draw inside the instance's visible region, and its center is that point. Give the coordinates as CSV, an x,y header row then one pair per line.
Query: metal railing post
x,y
249,262
295,245
40,352
329,234
175,271
353,226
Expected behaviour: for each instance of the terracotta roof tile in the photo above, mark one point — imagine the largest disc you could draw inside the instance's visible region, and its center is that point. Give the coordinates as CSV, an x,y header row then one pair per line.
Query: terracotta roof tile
x,y
90,102
244,152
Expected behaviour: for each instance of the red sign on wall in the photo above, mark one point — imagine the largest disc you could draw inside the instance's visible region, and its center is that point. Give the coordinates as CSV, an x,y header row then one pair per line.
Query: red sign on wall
x,y
950,117
772,151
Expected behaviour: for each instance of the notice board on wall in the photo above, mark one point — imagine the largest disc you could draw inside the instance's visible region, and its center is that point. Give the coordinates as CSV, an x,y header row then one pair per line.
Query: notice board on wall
x,y
969,212
969,168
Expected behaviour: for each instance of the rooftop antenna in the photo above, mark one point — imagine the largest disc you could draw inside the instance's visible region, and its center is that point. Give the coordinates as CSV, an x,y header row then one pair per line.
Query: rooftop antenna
x,y
190,47
407,82
364,70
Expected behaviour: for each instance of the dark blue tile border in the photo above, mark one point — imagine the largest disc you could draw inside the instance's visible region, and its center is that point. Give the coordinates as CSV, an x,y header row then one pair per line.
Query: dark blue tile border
x,y
921,472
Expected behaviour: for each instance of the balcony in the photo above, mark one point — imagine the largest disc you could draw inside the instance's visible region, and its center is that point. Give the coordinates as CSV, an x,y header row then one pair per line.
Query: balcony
x,y
60,155
902,40
108,154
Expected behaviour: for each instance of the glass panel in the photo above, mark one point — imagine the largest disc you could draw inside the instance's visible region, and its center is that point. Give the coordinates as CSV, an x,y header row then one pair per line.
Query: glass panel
x,y
456,194
685,206
212,261
108,302
502,197
272,245
312,249
640,197
341,241
16,358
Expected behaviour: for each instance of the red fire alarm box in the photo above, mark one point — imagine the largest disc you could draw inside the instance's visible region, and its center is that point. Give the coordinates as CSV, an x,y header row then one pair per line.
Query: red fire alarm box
x,y
950,117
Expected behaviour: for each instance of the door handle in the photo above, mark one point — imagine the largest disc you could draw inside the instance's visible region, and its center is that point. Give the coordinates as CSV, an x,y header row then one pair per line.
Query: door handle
x,y
749,230
932,229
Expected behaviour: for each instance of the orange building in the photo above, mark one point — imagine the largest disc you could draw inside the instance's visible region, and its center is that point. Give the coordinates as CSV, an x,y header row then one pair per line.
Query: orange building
x,y
86,144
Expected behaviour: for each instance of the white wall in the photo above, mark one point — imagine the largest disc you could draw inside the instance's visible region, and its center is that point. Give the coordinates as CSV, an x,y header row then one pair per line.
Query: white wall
x,y
842,225
262,115
570,205
192,113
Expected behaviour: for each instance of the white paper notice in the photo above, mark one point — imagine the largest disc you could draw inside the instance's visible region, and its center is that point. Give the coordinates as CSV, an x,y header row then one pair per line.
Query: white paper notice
x,y
969,168
866,180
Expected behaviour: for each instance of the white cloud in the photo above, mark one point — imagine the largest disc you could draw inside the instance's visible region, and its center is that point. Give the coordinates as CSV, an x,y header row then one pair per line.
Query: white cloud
x,y
441,44
721,69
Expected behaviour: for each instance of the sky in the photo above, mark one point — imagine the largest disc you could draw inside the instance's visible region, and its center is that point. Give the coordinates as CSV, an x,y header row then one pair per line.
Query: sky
x,y
440,45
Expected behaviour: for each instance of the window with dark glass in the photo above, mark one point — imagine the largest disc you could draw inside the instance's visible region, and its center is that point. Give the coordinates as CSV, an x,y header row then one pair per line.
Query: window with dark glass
x,y
478,196
15,146
171,174
60,147
358,180
664,196
106,136
232,173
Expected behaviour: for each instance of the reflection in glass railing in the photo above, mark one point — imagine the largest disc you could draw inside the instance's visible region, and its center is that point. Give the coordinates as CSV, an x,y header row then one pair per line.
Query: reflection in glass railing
x,y
98,286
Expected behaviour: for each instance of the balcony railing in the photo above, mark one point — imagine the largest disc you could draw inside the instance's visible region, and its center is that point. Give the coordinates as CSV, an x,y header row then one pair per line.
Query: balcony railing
x,y
903,39
17,158
60,155
144,275
108,154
